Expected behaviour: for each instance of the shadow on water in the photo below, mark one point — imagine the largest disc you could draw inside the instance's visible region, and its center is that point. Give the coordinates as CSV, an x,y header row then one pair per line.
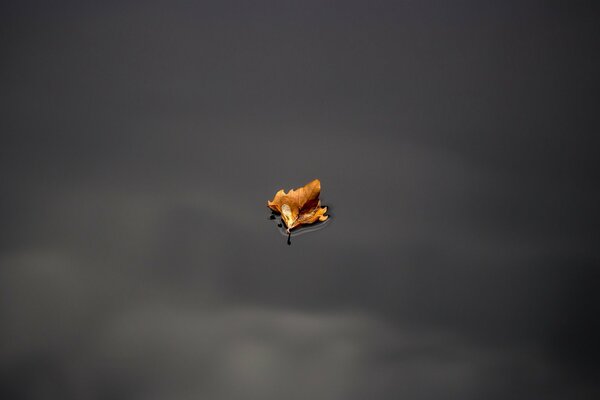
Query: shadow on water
x,y
302,229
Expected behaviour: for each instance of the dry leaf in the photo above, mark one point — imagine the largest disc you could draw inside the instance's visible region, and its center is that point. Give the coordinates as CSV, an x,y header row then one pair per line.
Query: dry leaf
x,y
300,206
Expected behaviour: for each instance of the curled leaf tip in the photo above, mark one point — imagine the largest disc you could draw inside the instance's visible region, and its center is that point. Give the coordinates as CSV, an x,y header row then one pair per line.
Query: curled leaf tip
x,y
299,206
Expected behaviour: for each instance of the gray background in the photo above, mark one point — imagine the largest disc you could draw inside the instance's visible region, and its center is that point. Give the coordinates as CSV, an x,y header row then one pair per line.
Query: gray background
x,y
454,141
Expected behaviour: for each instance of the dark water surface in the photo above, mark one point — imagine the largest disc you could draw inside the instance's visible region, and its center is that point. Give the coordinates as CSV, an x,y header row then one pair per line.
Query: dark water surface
x,y
455,148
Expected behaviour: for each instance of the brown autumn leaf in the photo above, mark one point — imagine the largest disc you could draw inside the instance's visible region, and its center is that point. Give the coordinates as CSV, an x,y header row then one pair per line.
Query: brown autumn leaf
x,y
299,206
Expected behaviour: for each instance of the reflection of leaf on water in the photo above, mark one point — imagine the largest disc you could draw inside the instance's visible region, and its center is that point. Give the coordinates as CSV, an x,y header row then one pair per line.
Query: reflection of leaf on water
x,y
299,206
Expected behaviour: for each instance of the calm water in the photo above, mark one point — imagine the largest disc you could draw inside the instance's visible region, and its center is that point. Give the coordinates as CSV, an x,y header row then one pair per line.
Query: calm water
x,y
141,143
